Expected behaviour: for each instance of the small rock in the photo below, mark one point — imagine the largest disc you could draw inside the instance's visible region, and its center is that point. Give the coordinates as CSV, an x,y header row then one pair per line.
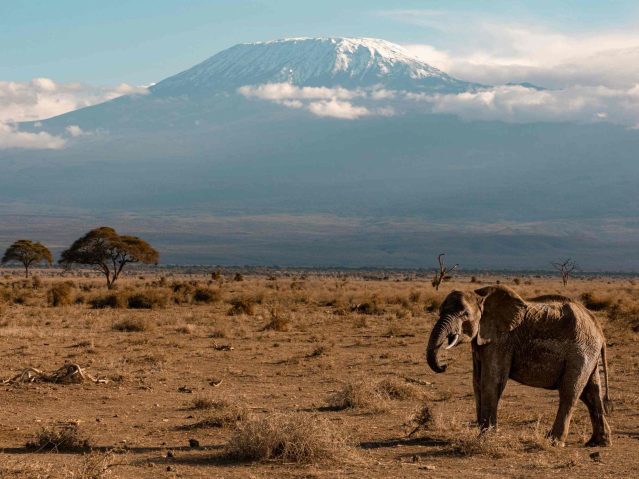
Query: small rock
x,y
428,467
194,443
595,456
169,468
169,454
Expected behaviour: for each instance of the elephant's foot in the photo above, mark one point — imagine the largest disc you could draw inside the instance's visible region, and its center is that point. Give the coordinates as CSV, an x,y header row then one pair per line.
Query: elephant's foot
x,y
555,441
599,441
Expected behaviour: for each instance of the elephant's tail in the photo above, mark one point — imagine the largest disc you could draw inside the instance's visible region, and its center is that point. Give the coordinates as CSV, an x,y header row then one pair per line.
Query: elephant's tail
x,y
607,402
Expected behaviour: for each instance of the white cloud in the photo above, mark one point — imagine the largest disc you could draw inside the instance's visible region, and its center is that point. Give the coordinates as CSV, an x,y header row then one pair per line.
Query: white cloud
x,y
338,109
322,101
75,131
10,137
43,98
520,104
286,91
500,50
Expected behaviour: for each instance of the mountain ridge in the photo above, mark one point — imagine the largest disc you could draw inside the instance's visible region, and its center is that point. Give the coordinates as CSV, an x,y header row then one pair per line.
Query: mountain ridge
x,y
330,61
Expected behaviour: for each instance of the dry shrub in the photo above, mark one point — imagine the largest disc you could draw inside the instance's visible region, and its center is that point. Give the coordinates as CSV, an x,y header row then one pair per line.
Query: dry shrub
x,y
22,296
6,295
536,439
287,438
183,292
372,307
36,282
492,443
207,295
148,299
61,294
94,466
595,303
224,415
186,329
238,277
358,395
422,418
241,305
65,437
218,333
432,304
397,390
203,402
465,439
132,325
440,420
278,322
109,300
626,313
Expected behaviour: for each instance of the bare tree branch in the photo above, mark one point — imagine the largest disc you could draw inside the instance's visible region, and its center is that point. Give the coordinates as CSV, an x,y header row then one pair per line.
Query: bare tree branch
x,y
566,268
443,274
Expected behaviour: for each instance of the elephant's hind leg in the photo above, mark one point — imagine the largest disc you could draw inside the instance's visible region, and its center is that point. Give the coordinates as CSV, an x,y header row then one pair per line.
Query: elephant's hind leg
x,y
572,385
591,396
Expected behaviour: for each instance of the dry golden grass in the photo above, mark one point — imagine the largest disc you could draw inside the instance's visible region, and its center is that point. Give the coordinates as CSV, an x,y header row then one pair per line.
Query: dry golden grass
x,y
132,325
335,329
60,438
288,438
61,294
223,415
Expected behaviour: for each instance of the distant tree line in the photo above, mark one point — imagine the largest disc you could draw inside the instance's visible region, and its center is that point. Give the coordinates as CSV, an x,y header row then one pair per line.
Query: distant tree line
x,y
107,252
102,248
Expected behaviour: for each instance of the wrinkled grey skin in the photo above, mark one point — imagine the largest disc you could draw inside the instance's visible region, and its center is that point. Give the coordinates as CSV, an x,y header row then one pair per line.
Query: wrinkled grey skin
x,y
555,344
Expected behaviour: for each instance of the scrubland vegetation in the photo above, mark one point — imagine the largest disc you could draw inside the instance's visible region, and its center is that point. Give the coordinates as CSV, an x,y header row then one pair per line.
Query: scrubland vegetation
x,y
281,374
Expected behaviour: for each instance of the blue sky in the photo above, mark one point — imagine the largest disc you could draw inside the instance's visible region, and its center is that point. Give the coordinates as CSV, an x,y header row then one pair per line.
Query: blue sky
x,y
137,42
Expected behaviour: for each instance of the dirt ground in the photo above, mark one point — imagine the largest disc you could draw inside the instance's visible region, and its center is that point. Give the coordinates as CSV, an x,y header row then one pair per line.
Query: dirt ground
x,y
325,332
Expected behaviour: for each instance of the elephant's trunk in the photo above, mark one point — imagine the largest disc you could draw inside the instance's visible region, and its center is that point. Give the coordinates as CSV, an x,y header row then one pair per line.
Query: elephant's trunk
x,y
441,331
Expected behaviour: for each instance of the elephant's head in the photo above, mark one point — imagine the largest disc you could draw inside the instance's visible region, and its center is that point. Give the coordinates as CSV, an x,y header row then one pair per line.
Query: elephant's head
x,y
484,314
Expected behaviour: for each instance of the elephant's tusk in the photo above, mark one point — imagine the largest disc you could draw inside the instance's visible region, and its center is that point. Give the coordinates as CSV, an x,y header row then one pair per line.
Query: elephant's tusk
x,y
453,342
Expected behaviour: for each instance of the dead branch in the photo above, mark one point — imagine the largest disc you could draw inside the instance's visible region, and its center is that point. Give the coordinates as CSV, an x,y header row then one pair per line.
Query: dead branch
x,y
443,274
67,374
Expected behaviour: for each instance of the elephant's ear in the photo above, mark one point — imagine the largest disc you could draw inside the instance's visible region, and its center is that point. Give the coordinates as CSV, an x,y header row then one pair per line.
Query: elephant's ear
x,y
502,311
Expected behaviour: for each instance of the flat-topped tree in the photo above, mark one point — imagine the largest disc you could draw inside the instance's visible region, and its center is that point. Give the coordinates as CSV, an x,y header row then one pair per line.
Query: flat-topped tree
x,y
109,252
28,253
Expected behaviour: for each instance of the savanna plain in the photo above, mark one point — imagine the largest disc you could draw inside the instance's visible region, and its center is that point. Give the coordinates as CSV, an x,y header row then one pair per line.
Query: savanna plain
x,y
281,374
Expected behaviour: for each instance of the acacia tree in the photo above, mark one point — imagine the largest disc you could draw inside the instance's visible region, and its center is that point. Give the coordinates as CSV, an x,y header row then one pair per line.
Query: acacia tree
x,y
28,253
443,273
109,252
566,268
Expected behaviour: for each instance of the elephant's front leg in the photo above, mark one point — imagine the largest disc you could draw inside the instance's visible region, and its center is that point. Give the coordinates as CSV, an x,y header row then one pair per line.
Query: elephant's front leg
x,y
495,369
477,384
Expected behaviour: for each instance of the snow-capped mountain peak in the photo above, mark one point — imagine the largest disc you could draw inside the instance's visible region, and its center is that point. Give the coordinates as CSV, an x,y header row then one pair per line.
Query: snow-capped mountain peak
x,y
346,62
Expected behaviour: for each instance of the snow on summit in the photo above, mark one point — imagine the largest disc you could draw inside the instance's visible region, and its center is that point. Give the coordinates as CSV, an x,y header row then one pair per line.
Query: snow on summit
x,y
330,62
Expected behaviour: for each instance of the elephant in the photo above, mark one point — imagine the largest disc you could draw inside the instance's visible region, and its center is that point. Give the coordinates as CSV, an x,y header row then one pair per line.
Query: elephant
x,y
556,345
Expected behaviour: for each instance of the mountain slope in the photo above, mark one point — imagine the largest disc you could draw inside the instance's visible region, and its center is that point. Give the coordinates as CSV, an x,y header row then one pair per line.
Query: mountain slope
x,y
195,149
330,62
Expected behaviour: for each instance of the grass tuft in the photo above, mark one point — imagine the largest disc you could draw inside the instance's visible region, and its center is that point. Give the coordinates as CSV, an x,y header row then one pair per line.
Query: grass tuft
x,y
132,325
287,438
60,438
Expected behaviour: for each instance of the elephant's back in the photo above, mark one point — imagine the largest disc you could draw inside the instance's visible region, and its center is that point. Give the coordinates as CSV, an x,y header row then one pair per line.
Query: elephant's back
x,y
553,337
